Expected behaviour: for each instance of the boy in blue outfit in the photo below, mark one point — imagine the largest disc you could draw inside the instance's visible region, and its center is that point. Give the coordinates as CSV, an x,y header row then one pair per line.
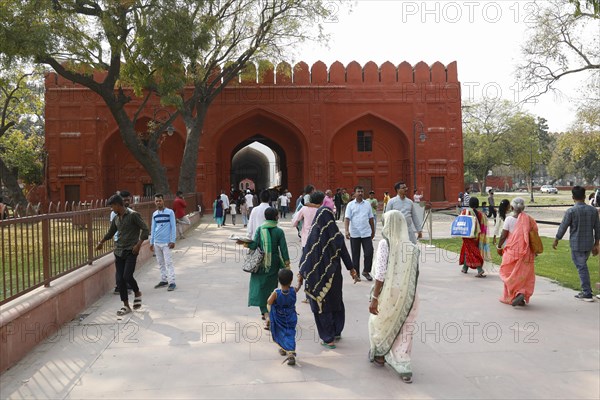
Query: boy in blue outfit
x,y
283,316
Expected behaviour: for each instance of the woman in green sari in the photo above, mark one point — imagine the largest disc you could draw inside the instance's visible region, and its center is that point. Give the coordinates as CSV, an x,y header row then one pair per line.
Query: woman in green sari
x,y
394,300
271,239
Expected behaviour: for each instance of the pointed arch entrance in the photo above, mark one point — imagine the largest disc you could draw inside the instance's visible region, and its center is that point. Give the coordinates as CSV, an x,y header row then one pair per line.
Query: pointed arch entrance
x,y
259,125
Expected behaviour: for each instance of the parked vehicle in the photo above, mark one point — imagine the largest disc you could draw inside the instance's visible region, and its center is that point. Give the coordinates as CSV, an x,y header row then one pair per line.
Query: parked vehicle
x,y
549,189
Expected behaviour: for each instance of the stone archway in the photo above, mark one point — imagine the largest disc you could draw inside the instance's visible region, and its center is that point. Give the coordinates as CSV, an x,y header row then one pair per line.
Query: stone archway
x,y
275,132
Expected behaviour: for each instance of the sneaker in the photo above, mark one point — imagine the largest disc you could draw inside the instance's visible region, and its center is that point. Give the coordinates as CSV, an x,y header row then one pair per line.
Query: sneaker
x,y
367,276
171,287
584,297
160,284
598,296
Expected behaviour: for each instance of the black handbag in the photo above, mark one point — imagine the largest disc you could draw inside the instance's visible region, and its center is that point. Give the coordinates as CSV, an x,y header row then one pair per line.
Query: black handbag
x,y
253,260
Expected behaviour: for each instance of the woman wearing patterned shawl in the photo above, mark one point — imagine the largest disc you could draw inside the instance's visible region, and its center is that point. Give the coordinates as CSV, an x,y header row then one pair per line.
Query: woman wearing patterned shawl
x,y
517,269
394,300
320,267
271,239
475,250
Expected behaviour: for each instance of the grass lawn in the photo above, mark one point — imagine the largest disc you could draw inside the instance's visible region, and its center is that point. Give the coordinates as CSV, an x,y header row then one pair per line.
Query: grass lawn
x,y
553,264
540,199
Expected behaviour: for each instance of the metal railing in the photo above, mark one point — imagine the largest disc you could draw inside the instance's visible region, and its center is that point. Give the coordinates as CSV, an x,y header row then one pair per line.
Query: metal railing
x,y
40,248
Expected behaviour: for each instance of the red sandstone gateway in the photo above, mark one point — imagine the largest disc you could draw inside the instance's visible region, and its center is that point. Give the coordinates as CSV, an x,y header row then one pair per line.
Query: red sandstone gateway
x,y
336,127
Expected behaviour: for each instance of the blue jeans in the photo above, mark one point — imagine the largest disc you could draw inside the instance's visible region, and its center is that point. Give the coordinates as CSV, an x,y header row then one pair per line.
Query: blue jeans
x,y
580,260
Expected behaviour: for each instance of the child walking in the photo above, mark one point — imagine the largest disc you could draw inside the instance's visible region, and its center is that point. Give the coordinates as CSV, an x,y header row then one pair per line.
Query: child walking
x,y
283,316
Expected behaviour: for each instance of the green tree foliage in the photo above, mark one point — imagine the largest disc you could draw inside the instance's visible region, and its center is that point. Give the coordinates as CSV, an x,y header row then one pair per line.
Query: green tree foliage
x,y
577,154
529,144
563,40
485,126
577,150
21,129
212,43
156,47
591,7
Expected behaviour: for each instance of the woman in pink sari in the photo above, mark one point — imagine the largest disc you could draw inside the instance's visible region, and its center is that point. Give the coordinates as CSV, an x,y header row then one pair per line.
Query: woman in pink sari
x,y
517,268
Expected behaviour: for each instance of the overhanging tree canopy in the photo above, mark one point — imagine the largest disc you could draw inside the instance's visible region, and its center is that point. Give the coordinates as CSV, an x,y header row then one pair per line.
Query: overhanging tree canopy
x,y
157,47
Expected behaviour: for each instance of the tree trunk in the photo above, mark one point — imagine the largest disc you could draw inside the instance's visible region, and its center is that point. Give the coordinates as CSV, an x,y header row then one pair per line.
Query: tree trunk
x,y
189,169
146,157
12,184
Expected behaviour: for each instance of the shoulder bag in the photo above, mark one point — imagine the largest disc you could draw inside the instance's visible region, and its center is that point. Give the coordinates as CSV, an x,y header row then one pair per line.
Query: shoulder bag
x,y
464,226
535,243
253,260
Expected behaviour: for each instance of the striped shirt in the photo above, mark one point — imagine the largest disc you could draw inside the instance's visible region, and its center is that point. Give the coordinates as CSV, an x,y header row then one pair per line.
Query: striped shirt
x,y
163,226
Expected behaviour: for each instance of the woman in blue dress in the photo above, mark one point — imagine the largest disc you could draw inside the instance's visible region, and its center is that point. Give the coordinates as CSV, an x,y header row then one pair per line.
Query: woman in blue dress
x,y
283,315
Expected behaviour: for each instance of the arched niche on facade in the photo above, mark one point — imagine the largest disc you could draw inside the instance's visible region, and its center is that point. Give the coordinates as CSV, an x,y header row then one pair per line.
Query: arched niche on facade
x,y
120,170
367,149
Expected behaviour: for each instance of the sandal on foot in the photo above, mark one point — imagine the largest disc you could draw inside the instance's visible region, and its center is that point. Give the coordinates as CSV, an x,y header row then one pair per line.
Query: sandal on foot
x,y
380,361
137,303
267,326
481,275
291,360
406,379
328,345
282,352
464,270
519,300
123,311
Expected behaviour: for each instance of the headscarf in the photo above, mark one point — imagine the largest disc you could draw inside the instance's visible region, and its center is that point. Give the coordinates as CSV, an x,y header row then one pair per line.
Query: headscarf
x,y
265,239
321,256
399,288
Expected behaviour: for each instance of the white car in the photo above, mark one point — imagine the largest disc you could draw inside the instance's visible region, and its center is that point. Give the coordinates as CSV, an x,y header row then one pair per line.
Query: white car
x,y
548,189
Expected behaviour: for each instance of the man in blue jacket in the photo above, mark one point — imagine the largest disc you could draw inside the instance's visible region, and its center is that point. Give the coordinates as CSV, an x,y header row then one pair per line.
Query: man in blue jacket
x,y
162,241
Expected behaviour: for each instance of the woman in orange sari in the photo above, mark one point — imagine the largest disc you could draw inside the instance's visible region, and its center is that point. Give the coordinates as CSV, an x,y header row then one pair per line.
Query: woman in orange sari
x,y
517,268
475,251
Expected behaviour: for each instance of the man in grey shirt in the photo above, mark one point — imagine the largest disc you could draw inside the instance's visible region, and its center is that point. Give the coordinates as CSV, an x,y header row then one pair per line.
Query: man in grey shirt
x,y
406,206
584,237
132,232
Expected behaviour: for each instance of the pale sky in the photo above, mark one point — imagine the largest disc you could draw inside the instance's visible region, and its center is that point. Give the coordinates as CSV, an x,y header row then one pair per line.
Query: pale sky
x,y
483,37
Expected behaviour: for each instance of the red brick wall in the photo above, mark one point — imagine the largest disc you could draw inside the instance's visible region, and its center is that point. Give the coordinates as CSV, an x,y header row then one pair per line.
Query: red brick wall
x,y
312,117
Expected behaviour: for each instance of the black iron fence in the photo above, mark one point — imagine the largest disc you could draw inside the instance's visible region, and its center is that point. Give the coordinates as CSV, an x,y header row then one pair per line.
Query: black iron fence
x,y
39,248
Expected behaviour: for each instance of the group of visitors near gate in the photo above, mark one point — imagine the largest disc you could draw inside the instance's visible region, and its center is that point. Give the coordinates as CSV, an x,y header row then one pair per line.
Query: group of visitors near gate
x,y
393,304
394,267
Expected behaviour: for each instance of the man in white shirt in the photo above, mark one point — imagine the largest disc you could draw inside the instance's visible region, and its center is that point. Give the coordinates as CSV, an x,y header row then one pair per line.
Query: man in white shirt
x,y
249,202
257,216
225,201
406,206
284,203
360,230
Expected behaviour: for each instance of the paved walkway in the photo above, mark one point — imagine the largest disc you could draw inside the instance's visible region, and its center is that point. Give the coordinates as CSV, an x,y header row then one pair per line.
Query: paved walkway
x,y
202,341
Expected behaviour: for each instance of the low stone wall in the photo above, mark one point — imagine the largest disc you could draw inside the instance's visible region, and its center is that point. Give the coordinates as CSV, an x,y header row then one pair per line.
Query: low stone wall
x,y
31,318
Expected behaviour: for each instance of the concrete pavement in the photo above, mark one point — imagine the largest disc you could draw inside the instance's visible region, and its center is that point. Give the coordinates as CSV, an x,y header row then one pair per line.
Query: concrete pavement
x,y
202,341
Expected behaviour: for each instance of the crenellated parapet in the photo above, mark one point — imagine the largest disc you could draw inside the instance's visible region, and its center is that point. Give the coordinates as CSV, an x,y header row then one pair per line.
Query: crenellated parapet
x,y
284,74
352,74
